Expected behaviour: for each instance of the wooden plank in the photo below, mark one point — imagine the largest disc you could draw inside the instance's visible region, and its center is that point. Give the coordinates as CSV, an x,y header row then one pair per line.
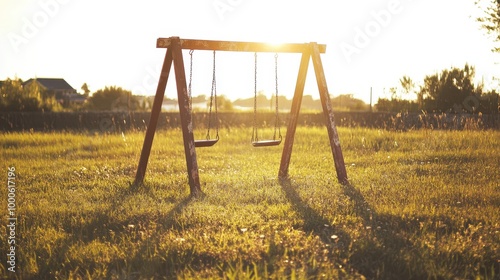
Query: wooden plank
x,y
186,120
153,119
233,46
338,157
294,115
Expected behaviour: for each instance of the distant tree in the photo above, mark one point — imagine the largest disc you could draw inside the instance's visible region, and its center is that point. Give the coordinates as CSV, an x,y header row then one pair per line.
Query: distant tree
x,y
262,100
490,21
407,84
449,89
396,105
224,104
394,93
199,99
86,91
308,103
429,91
16,97
112,99
46,100
348,102
10,92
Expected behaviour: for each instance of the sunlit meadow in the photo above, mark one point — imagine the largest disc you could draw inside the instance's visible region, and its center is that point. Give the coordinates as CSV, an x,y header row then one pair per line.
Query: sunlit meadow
x,y
420,204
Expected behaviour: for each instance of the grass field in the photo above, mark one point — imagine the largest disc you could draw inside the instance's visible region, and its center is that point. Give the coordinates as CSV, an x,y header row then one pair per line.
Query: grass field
x,y
421,205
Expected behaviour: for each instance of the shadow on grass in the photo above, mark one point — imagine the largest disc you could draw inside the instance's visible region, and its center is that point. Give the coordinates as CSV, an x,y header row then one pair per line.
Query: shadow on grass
x,y
314,223
381,253
105,226
151,262
377,255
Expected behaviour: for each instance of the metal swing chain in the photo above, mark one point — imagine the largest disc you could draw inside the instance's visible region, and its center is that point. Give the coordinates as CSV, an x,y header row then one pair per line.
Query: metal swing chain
x,y
213,93
190,80
255,137
276,124
215,97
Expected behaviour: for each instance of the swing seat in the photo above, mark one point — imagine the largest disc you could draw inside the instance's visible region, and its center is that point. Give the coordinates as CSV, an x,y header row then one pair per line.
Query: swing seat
x,y
266,143
205,143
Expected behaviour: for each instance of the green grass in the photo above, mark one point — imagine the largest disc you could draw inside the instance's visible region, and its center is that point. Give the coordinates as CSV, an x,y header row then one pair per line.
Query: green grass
x,y
421,205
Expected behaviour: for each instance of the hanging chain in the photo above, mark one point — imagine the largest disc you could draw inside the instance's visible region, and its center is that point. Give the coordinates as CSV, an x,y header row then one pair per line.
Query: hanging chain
x,y
255,137
211,99
214,84
190,80
276,124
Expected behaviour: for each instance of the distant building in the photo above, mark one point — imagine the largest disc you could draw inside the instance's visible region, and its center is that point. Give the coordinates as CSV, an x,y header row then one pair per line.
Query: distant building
x,y
60,89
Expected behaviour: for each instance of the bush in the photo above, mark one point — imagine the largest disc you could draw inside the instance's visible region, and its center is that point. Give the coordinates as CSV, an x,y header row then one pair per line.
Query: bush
x,y
14,97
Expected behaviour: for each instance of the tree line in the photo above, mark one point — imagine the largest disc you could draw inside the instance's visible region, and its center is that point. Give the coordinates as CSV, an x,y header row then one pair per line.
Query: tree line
x,y
452,90
33,98
16,97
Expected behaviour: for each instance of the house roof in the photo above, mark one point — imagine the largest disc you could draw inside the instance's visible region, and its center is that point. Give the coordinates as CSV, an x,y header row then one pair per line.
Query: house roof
x,y
51,83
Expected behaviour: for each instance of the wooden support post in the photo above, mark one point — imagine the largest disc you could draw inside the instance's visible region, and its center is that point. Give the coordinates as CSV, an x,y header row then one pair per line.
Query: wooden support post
x,y
153,119
338,158
185,116
294,114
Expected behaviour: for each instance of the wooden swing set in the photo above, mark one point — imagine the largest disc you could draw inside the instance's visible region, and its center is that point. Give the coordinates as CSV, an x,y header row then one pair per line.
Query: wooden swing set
x,y
175,45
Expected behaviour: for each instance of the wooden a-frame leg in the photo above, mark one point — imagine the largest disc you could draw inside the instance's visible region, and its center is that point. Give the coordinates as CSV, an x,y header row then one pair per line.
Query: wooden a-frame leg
x,y
153,119
186,119
294,115
338,157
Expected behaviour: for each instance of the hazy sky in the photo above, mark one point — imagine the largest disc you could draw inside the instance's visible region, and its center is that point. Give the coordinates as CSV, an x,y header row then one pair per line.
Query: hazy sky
x,y
369,42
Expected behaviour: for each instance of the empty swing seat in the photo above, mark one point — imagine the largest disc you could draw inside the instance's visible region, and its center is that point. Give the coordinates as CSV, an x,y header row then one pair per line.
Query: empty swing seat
x,y
208,142
255,140
266,143
205,143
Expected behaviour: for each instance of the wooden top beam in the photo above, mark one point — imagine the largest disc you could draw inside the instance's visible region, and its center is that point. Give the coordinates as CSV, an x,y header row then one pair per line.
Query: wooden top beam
x,y
237,46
